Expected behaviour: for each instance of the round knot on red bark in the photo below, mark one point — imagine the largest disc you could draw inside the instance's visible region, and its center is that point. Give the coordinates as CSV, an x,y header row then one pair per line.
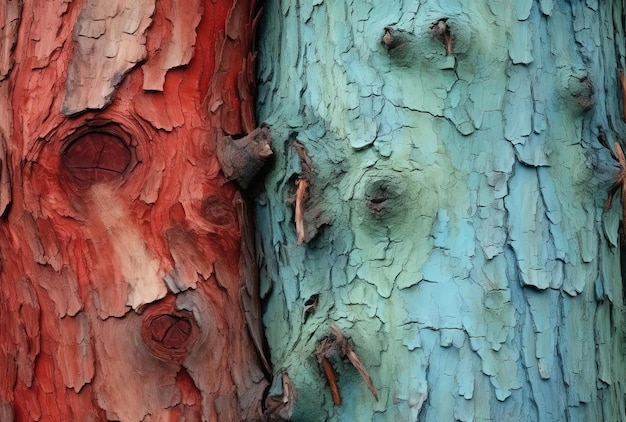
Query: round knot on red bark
x,y
168,333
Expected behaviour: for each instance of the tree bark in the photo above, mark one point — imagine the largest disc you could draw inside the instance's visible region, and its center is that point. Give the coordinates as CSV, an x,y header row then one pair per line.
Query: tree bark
x,y
435,214
129,290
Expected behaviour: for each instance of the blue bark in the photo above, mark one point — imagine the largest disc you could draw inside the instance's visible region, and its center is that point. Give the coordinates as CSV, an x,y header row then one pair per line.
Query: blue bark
x,y
455,222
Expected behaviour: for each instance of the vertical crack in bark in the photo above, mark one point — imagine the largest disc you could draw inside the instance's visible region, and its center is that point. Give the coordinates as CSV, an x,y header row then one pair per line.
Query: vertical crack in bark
x,y
178,46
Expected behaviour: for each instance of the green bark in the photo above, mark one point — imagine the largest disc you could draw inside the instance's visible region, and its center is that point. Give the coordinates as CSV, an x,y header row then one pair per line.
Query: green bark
x,y
454,226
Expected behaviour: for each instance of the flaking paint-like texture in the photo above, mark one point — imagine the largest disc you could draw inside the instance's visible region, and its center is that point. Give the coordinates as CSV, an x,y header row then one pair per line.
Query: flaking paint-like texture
x,y
128,289
457,192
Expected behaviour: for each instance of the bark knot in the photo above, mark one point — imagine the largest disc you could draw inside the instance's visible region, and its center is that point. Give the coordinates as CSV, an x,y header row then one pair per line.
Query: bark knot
x,y
168,333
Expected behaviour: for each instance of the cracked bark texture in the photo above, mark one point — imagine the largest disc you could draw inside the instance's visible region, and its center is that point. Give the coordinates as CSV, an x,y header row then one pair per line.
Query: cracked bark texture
x,y
128,284
460,161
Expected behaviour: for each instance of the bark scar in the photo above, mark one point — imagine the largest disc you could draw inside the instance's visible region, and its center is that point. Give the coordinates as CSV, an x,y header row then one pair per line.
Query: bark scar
x,y
394,38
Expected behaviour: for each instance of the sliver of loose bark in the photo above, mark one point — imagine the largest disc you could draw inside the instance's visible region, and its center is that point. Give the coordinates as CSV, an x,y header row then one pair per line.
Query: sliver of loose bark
x,y
301,196
331,378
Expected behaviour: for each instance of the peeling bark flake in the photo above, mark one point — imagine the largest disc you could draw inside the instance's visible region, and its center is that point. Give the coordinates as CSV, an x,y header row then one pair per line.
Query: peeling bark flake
x,y
177,47
10,13
109,41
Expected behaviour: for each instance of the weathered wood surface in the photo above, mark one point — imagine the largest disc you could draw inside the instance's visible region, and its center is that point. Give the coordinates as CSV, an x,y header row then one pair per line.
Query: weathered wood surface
x,y
128,283
460,158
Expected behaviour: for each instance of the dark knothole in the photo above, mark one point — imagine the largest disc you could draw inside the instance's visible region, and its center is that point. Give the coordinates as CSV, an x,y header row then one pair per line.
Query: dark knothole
x,y
311,305
97,156
169,333
380,196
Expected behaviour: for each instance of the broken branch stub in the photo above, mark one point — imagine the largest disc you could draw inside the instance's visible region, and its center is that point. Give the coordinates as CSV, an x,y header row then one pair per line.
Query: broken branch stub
x,y
441,31
394,38
337,343
241,159
280,408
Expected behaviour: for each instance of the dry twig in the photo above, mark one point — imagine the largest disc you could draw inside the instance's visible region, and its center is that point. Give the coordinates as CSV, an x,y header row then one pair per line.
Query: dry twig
x,y
341,345
301,191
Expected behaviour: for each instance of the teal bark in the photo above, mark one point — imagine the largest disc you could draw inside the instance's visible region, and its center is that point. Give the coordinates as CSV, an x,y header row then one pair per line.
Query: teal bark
x,y
461,156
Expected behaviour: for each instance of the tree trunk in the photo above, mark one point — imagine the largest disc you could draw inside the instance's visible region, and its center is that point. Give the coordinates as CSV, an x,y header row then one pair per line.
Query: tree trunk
x,y
128,281
434,217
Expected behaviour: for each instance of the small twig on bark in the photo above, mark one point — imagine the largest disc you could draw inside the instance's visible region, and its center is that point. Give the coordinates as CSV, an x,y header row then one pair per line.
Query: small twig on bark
x,y
329,372
342,346
301,192
348,351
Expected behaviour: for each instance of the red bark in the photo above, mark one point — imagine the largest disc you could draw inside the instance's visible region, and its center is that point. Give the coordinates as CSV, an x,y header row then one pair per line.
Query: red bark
x,y
128,284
